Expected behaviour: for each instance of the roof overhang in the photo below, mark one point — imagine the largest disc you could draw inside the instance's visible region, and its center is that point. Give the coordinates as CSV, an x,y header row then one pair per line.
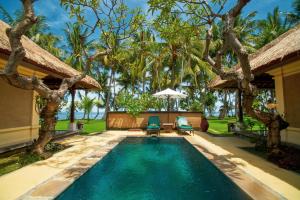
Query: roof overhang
x,y
39,61
283,50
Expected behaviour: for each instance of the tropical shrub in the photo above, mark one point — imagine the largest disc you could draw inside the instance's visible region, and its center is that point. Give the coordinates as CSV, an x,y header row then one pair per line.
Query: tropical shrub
x,y
134,105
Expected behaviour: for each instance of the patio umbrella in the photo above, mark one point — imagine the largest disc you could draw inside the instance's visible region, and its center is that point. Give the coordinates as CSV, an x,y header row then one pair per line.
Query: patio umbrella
x,y
169,94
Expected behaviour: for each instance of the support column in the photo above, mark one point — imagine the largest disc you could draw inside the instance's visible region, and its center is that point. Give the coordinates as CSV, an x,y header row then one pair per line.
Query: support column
x,y
72,125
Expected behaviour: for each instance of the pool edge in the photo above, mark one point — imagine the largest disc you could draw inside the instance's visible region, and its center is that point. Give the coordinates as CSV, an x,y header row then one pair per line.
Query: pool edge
x,y
91,159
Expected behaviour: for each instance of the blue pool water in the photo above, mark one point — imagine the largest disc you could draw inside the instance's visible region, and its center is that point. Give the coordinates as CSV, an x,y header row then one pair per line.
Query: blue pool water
x,y
153,168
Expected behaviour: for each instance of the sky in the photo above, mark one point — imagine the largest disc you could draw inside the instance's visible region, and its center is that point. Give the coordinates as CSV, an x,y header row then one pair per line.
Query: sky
x,y
57,17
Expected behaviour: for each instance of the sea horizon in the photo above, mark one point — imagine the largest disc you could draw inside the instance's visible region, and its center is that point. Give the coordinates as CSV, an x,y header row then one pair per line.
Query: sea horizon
x,y
78,115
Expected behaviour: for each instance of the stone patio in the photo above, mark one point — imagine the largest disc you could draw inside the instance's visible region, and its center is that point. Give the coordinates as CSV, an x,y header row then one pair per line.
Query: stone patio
x,y
46,179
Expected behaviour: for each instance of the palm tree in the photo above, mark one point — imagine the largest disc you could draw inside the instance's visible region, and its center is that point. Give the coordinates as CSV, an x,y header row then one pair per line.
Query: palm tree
x,y
87,104
37,32
102,78
271,28
155,64
50,42
294,17
39,27
76,42
141,45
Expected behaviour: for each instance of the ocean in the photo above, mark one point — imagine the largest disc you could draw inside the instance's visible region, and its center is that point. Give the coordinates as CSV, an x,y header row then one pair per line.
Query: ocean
x,y
78,115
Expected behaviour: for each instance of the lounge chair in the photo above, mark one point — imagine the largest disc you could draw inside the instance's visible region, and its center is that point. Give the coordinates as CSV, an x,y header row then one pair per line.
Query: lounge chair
x,y
183,125
153,125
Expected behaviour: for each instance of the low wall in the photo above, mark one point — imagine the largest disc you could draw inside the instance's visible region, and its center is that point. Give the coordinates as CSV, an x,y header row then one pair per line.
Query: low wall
x,y
13,137
122,120
291,135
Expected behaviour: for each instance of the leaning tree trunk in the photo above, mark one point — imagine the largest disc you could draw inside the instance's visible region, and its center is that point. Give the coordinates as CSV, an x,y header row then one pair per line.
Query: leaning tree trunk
x,y
47,129
53,97
245,75
271,120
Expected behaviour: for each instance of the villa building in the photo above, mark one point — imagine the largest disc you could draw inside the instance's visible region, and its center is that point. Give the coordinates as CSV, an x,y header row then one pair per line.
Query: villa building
x,y
19,118
277,66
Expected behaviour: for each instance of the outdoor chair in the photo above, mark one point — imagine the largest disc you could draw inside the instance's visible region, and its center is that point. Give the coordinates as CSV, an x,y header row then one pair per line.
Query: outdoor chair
x,y
153,125
183,125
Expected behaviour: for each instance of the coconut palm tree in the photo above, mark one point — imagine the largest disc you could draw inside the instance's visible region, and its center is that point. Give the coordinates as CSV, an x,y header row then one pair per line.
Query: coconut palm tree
x,y
294,17
39,27
155,64
87,104
101,75
76,42
37,33
51,43
271,28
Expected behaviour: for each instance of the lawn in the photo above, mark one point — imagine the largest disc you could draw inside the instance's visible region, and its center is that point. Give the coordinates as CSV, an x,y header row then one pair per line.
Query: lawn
x,y
12,161
91,126
219,127
16,161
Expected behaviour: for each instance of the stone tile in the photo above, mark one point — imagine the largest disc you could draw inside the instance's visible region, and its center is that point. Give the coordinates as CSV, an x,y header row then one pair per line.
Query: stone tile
x,y
66,166
73,173
50,189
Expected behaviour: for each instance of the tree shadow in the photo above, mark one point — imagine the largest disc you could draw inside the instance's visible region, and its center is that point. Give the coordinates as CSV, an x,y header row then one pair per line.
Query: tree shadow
x,y
223,163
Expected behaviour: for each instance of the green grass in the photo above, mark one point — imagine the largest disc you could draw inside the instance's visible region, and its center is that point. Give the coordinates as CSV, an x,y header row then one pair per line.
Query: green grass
x,y
220,127
19,160
16,161
91,126
12,161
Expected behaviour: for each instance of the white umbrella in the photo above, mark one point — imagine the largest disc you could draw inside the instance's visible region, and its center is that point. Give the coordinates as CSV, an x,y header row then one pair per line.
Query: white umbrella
x,y
169,94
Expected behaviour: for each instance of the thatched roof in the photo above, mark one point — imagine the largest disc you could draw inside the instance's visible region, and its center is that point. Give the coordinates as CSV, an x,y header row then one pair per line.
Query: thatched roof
x,y
41,60
284,49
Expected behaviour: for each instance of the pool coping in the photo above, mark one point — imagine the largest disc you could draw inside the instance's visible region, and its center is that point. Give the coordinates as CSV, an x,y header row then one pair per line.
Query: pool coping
x,y
55,185
252,184
69,175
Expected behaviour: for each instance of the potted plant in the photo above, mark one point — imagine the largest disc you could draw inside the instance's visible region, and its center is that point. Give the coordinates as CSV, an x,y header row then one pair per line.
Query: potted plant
x,y
80,125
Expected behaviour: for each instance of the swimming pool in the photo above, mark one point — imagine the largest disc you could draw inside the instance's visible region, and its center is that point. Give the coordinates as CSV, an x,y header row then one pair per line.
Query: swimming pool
x,y
153,168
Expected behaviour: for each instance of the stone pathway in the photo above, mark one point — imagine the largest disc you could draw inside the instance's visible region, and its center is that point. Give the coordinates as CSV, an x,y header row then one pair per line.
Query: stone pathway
x,y
46,179
240,148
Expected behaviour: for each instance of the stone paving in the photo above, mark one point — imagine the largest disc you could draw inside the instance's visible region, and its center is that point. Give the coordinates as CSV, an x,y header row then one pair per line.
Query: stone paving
x,y
47,179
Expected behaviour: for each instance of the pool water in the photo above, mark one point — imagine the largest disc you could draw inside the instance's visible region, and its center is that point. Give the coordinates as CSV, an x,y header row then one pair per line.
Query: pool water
x,y
153,168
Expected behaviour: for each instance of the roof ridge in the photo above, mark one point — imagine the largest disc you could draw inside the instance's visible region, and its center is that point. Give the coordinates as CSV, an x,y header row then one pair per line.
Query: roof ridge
x,y
43,59
274,42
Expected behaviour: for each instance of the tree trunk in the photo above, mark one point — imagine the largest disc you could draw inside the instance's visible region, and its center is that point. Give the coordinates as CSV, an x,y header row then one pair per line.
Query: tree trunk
x,y
245,76
84,110
143,84
47,126
72,108
224,109
108,95
88,116
240,107
98,106
53,97
114,92
173,65
273,138
272,121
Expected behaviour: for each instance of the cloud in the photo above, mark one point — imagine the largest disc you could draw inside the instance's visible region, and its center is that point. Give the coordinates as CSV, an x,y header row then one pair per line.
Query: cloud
x,y
56,16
